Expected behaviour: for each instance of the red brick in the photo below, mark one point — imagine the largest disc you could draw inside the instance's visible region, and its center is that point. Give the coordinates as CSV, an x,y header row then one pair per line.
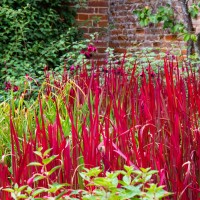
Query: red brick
x,y
101,49
184,51
83,16
86,10
94,29
156,44
103,10
85,23
87,36
84,29
103,24
120,50
139,31
101,61
99,56
98,4
100,44
113,45
170,37
100,17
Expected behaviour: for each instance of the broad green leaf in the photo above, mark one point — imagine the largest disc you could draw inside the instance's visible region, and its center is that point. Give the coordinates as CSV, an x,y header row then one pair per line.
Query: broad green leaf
x,y
39,177
48,160
22,188
16,186
127,179
115,182
29,190
8,190
114,174
22,196
147,178
129,169
131,191
89,197
39,191
38,153
194,37
56,186
93,172
13,195
47,152
186,37
101,181
151,172
35,164
53,170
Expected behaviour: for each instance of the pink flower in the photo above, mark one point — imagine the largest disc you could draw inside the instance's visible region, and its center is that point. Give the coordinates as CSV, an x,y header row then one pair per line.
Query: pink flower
x,y
82,51
57,83
30,180
78,66
153,74
118,62
72,68
173,57
105,70
91,48
7,86
142,74
16,88
87,54
118,71
28,78
46,68
89,51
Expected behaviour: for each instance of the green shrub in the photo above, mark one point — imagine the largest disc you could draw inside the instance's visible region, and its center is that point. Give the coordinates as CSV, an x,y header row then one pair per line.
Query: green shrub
x,y
33,34
118,185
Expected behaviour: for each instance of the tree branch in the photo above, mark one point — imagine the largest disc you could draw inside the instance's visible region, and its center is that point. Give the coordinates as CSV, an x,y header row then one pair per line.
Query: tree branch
x,y
189,24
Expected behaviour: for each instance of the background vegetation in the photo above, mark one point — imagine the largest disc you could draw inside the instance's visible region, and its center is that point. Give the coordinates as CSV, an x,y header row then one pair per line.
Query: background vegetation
x,y
35,34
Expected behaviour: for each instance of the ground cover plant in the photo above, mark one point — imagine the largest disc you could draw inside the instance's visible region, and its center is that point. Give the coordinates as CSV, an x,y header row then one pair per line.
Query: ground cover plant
x,y
114,122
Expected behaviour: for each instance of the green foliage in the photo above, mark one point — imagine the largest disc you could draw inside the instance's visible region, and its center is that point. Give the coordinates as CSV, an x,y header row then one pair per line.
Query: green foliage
x,y
133,184
33,34
30,84
28,192
166,15
194,10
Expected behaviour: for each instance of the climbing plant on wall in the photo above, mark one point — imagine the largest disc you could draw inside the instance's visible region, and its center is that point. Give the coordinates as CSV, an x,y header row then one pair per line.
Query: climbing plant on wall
x,y
35,33
180,23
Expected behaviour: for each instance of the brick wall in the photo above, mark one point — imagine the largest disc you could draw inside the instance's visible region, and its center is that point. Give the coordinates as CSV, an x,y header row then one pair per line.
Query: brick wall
x,y
94,18
127,33
120,30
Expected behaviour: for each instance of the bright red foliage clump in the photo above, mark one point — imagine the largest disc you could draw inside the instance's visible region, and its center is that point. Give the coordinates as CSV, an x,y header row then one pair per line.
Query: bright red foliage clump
x,y
145,120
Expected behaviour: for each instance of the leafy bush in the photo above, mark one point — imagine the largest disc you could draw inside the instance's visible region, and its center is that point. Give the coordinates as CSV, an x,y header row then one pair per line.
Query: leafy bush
x,y
29,87
132,183
35,34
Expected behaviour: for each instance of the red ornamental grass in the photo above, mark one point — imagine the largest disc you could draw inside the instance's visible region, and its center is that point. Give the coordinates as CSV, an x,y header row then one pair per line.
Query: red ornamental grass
x,y
124,118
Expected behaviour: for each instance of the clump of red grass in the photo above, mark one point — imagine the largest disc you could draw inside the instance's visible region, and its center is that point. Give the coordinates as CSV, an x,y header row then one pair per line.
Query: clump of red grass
x,y
119,117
